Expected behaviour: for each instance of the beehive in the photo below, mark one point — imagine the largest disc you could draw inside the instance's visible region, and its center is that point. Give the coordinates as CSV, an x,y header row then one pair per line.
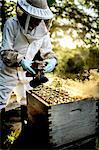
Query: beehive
x,y
62,124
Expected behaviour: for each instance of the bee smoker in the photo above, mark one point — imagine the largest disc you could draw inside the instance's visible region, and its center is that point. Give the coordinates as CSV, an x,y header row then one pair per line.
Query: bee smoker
x,y
39,78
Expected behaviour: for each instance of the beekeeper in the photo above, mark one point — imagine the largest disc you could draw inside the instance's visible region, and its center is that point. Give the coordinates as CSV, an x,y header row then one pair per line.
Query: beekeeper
x,y
23,36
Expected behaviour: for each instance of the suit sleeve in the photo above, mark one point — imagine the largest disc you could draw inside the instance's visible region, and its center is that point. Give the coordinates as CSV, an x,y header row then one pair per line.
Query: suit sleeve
x,y
8,36
46,48
7,47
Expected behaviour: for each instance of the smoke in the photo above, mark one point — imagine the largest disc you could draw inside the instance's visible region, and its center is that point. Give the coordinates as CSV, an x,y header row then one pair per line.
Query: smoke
x,y
78,89
86,89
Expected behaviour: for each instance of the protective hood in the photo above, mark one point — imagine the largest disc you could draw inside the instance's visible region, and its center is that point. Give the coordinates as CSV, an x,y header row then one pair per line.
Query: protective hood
x,y
27,22
36,8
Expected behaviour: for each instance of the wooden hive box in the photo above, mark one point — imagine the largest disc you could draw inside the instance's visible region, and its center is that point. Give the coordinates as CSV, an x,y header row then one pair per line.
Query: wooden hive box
x,y
62,124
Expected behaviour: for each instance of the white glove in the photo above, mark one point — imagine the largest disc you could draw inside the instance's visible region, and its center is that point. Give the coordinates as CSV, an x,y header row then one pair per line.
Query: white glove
x,y
26,65
51,63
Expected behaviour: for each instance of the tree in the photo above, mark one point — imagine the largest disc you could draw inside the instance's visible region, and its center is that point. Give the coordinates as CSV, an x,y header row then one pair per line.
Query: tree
x,y
7,11
79,15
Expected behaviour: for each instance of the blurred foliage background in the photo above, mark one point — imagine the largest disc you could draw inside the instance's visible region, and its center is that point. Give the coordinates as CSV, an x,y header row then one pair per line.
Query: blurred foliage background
x,y
75,39
74,34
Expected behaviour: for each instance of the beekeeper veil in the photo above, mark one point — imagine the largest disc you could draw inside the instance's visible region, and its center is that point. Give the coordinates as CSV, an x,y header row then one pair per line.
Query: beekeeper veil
x,y
31,12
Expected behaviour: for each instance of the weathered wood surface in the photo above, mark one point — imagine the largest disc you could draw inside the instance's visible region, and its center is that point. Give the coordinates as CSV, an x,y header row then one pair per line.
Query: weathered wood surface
x,y
72,121
36,109
65,123
38,124
89,143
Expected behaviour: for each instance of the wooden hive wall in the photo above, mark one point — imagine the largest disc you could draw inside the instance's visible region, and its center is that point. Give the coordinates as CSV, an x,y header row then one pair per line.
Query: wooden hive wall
x,y
72,121
63,123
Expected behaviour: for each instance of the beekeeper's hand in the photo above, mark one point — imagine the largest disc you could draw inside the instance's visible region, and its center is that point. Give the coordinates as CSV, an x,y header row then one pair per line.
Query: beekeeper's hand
x,y
26,65
49,64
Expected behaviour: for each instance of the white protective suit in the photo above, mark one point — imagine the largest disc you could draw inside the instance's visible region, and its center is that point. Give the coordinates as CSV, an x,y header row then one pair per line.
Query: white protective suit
x,y
27,45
